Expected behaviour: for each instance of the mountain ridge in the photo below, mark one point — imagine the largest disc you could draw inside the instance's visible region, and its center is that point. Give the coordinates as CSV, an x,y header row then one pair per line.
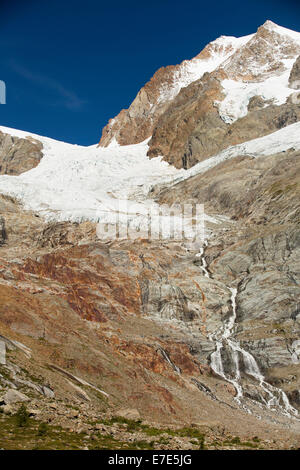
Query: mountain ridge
x,y
258,67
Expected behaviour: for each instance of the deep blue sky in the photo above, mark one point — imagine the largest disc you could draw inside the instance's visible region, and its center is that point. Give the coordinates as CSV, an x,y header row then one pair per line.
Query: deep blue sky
x,y
71,65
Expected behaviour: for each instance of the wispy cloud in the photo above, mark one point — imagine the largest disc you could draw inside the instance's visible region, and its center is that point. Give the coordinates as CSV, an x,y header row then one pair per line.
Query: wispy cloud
x,y
66,98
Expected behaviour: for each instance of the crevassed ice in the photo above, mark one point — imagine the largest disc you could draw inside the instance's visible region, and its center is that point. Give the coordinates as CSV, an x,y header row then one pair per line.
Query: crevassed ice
x,y
107,185
73,182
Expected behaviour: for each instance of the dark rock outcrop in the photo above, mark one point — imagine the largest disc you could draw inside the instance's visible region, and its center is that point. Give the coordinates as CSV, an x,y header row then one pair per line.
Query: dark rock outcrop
x,y
294,80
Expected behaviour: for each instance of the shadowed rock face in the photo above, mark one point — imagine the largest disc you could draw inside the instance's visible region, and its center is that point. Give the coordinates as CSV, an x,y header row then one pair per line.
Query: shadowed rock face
x,y
18,155
260,191
191,108
2,231
294,80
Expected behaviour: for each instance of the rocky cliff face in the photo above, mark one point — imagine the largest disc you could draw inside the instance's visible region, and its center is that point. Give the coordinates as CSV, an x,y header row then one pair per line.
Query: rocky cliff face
x,y
259,251
294,80
138,122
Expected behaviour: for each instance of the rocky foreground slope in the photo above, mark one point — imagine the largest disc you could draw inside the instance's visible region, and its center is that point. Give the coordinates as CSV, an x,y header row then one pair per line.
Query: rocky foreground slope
x,y
97,334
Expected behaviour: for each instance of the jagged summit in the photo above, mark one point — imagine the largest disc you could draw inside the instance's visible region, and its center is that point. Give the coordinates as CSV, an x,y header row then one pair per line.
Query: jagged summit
x,y
271,26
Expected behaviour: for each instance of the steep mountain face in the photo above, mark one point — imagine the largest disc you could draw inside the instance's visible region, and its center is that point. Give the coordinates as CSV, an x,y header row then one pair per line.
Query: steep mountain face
x,y
254,79
137,123
203,336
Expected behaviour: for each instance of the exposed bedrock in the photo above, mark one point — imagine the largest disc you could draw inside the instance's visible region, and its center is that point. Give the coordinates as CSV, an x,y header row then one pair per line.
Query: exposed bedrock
x,y
294,80
191,130
18,155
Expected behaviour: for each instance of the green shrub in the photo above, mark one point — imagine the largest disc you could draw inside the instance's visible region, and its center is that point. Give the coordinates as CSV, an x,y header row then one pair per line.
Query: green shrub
x,y
236,440
201,443
43,429
22,416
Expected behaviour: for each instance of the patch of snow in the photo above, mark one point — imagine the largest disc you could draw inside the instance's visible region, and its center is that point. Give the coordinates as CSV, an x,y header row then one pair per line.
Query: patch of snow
x,y
294,35
238,94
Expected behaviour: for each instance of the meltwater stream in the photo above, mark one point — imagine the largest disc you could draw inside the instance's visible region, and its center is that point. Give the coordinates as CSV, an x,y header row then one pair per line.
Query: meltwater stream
x,y
275,397
202,258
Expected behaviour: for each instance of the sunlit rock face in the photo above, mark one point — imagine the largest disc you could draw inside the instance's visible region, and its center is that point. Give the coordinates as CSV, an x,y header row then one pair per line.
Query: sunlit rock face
x,y
18,155
138,122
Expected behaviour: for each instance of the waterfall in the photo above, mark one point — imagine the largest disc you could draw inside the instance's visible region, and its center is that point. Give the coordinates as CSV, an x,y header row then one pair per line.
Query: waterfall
x,y
276,397
216,357
167,358
202,258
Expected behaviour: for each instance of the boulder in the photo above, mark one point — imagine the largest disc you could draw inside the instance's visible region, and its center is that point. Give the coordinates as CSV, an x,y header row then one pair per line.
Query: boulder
x,y
7,409
2,353
48,392
18,155
129,413
14,396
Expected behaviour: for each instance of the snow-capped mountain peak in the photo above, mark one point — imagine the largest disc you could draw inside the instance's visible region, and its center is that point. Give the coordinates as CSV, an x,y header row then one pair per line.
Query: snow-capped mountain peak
x,y
270,52
273,27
